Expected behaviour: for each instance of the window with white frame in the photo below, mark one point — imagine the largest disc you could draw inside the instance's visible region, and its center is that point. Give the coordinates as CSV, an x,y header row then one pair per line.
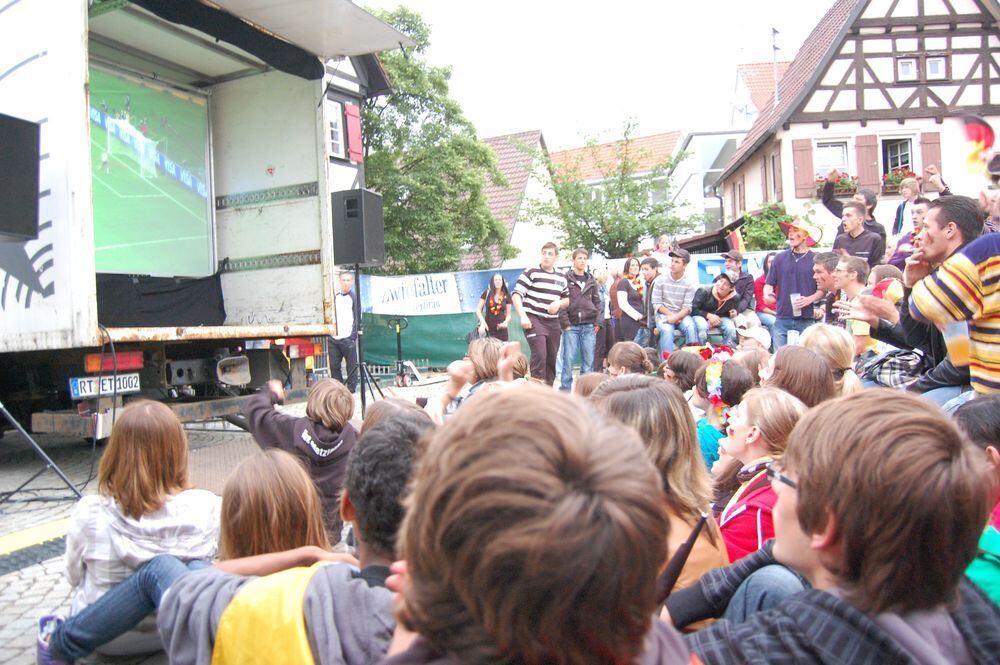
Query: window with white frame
x,y
830,155
896,154
906,69
335,124
937,68
597,193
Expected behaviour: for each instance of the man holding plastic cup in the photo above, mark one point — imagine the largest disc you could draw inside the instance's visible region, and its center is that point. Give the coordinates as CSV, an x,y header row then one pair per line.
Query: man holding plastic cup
x,y
962,295
791,274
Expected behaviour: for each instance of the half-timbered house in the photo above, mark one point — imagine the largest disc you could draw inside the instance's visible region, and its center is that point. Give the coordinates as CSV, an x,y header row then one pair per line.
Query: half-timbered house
x,y
877,86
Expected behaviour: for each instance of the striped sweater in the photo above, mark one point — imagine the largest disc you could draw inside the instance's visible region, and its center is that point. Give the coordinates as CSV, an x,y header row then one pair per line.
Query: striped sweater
x,y
964,288
538,289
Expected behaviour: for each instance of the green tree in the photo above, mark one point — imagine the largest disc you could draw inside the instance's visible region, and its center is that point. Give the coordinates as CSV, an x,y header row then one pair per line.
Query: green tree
x,y
763,231
626,207
423,157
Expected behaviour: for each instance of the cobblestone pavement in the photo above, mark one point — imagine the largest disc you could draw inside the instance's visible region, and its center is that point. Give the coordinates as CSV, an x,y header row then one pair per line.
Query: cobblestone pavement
x,y
41,588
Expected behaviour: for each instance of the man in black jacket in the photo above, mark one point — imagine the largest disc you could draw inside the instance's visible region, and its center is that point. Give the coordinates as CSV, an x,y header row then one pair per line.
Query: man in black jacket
x,y
743,282
881,504
717,306
579,320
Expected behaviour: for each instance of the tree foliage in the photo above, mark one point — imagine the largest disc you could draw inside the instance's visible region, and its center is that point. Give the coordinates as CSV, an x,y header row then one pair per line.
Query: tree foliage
x,y
629,204
423,157
763,231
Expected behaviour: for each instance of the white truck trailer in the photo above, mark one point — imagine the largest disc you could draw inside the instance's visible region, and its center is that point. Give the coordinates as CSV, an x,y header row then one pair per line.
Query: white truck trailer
x,y
188,153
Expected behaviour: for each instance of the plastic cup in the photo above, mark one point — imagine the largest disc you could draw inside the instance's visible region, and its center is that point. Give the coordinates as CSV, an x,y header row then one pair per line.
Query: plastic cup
x,y
956,339
795,310
793,337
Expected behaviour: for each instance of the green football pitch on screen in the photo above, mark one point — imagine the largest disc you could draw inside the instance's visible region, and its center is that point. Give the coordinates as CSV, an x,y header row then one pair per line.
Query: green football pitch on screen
x,y
149,156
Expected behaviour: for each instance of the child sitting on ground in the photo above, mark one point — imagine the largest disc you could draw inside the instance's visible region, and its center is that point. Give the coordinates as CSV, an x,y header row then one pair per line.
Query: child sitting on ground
x,y
321,440
323,613
270,488
144,506
514,545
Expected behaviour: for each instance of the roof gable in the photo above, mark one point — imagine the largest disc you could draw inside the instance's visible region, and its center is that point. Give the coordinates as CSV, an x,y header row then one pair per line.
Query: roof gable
x,y
515,154
758,78
800,76
592,162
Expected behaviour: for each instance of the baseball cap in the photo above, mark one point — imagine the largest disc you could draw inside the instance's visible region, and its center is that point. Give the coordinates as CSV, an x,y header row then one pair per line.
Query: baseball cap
x,y
758,333
681,254
726,276
733,254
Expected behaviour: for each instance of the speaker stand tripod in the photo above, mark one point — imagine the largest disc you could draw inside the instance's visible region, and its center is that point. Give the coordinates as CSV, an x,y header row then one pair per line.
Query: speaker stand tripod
x,y
49,464
364,374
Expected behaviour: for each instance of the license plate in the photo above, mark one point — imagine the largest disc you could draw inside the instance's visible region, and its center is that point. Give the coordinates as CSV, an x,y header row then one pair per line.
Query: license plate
x,y
87,386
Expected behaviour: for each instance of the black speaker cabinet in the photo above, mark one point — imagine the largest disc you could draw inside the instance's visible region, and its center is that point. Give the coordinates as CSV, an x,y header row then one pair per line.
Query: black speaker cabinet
x,y
19,148
358,229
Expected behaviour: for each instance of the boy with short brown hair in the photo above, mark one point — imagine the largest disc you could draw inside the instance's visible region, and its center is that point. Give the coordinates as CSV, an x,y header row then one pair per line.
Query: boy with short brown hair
x,y
542,547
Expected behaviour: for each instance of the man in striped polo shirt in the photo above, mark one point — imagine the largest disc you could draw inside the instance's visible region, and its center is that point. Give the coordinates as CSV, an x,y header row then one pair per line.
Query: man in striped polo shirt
x,y
538,296
964,288
672,297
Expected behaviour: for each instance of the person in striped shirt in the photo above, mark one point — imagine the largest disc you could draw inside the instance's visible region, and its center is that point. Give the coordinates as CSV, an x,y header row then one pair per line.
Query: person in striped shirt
x,y
965,288
538,296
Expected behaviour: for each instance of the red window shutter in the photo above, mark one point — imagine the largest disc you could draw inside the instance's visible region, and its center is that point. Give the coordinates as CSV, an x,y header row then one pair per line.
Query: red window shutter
x,y
355,150
743,193
802,163
732,196
930,149
764,193
866,155
776,173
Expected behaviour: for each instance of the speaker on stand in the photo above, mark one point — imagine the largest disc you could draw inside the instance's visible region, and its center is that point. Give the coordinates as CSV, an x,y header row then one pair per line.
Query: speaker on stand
x,y
359,241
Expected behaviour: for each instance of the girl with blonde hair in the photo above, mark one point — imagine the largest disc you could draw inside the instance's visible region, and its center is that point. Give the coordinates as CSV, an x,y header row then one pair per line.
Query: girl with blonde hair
x,y
658,411
756,435
835,346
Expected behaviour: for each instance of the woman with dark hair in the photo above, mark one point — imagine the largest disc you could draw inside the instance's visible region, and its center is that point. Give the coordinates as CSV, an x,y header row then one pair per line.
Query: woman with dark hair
x,y
629,297
765,312
493,311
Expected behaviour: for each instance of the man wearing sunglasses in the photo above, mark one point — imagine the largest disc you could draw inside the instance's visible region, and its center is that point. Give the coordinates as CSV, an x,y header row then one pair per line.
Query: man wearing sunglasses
x,y
880,506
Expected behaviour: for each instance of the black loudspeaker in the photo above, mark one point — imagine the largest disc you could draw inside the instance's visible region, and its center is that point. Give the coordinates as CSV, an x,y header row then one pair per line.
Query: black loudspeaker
x,y
358,229
19,148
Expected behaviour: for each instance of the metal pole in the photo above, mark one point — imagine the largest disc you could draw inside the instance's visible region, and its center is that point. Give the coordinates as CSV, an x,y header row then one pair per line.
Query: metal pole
x,y
774,63
38,450
358,345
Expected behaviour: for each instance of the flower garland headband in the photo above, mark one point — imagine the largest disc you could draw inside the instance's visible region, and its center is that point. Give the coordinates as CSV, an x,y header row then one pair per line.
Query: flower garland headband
x,y
716,357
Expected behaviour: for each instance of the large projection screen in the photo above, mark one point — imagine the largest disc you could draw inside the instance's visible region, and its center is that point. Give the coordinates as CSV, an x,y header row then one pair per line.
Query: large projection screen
x,y
149,160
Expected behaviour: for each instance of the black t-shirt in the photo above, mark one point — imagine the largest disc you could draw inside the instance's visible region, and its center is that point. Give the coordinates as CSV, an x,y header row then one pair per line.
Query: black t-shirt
x,y
490,306
868,246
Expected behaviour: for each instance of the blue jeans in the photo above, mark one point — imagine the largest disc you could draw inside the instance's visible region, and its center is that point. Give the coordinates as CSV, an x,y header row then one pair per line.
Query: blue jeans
x,y
761,591
642,337
727,327
120,609
579,338
943,395
767,320
951,406
667,330
782,326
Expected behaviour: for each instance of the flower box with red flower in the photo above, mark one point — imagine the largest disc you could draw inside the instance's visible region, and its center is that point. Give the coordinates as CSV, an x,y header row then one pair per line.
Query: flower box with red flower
x,y
892,180
845,185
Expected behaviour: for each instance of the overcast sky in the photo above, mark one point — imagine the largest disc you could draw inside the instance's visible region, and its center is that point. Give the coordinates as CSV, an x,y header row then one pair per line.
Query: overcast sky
x,y
578,70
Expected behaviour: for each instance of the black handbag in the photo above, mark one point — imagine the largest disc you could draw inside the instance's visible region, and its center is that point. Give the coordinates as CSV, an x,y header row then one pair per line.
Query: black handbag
x,y
897,368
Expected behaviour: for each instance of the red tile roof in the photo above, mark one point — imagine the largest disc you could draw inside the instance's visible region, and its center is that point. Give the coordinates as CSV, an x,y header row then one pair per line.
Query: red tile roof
x,y
514,153
593,162
758,77
799,77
